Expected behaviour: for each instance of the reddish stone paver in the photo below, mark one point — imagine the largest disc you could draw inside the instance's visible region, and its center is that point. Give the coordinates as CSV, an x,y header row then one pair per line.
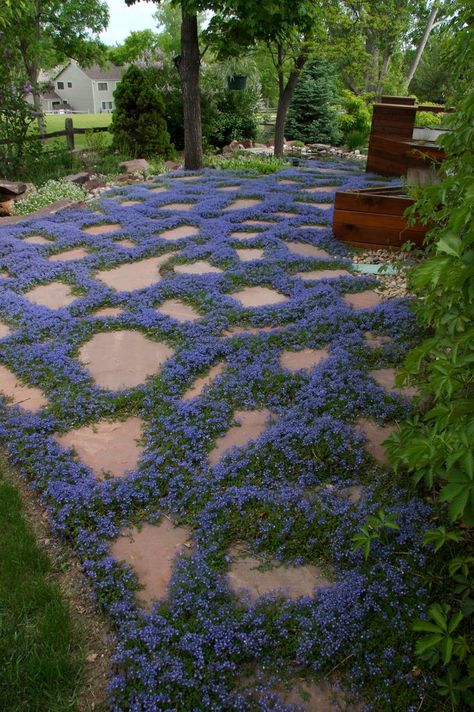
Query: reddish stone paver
x,y
103,229
176,309
105,447
68,255
151,551
385,377
243,235
199,267
243,203
248,255
37,240
179,207
293,581
122,359
126,243
321,188
29,398
109,311
376,340
128,203
258,296
196,388
363,300
228,187
258,222
158,189
287,181
318,696
302,360
318,274
375,435
4,330
4,274
179,233
249,330
134,275
313,227
53,295
249,425
305,250
285,214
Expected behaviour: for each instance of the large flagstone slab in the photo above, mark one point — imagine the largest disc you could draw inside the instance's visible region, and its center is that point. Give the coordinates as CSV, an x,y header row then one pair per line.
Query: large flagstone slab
x,y
250,254
178,207
244,235
199,267
176,309
103,229
302,360
375,435
125,243
249,425
151,551
318,696
196,388
363,300
27,397
134,275
318,274
385,377
123,359
293,581
37,240
305,250
179,233
243,203
258,296
68,255
321,188
53,295
234,330
4,330
108,311
106,447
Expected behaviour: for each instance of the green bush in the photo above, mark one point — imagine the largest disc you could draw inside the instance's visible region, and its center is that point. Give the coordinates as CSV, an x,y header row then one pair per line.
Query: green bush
x,y
256,164
312,116
50,192
426,118
234,119
138,122
354,119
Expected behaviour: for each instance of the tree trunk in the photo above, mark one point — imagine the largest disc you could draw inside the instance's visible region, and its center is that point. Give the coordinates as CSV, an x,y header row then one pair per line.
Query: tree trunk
x,y
285,95
421,47
188,65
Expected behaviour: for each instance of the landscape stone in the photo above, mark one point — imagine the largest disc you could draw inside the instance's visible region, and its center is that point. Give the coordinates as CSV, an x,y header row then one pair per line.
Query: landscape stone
x,y
375,435
179,207
321,188
318,274
249,425
27,397
53,295
102,229
37,240
125,243
106,447
179,233
68,255
197,387
4,330
363,300
302,360
385,377
109,311
306,250
134,275
122,359
243,203
151,551
258,296
248,255
199,267
244,235
176,309
136,165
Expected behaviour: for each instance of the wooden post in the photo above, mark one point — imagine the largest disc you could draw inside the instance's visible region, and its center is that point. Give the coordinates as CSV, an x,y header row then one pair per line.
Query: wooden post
x,y
68,125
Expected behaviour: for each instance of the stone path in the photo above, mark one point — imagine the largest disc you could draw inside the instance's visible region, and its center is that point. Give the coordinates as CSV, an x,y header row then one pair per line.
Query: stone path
x,y
197,309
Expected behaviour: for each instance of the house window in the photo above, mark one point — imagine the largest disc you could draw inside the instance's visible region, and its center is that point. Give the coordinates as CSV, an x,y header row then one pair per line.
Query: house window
x,y
102,86
107,105
69,84
60,85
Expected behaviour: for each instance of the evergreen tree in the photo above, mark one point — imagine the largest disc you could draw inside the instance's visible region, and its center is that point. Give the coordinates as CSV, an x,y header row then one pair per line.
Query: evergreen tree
x,y
138,123
312,118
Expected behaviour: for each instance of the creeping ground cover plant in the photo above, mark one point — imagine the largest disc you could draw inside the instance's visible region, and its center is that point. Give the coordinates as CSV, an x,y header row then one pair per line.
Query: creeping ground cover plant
x,y
140,342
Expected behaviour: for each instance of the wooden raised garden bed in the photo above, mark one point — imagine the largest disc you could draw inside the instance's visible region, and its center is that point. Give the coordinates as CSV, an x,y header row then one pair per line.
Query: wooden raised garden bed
x,y
373,218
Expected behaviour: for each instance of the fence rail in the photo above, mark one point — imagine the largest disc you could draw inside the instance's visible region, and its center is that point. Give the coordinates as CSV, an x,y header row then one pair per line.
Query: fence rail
x,y
69,132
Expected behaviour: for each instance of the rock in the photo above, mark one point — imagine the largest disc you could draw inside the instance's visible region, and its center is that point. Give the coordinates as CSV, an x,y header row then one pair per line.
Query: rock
x,y
77,178
270,143
172,165
135,165
93,184
7,208
247,143
128,178
11,189
235,145
319,146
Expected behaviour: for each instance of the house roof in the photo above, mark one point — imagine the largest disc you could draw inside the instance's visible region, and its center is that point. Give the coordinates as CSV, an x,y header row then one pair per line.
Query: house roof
x,y
96,73
51,95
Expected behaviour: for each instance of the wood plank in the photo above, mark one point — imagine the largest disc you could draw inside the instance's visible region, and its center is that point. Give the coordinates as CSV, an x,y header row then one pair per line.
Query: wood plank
x,y
366,203
375,237
382,220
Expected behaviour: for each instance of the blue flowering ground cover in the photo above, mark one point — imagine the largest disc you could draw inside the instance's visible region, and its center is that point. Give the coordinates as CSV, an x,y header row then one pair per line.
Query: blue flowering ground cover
x,y
203,648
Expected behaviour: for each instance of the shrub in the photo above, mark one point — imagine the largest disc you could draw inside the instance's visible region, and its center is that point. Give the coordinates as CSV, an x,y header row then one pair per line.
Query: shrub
x,y
138,122
256,164
50,192
312,116
17,119
235,118
354,119
426,118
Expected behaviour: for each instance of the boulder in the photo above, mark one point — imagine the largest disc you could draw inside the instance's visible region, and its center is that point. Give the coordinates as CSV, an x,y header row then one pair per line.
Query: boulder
x,y
172,165
136,165
11,189
7,208
92,184
77,178
247,143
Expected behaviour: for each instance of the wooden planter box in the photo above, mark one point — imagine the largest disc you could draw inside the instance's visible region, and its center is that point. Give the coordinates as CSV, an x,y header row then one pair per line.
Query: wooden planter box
x,y
373,218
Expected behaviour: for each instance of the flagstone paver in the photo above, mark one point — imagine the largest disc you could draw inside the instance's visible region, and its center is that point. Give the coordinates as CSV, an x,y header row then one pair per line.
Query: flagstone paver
x,y
197,387
176,309
375,435
199,267
129,203
385,377
179,233
249,425
126,243
234,330
318,274
228,187
134,275
286,214
258,296
363,300
178,207
4,330
251,254
158,189
306,250
318,696
68,255
321,188
302,360
246,576
313,227
29,398
376,340
243,203
258,222
123,359
103,229
243,235
37,240
151,551
53,295
109,311
106,447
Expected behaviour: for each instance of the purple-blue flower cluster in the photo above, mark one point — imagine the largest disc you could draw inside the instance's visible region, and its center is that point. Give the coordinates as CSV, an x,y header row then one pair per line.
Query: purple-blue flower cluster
x,y
283,496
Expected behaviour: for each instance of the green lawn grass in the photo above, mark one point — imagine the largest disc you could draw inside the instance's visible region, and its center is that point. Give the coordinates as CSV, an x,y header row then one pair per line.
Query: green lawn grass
x,y
55,122
40,658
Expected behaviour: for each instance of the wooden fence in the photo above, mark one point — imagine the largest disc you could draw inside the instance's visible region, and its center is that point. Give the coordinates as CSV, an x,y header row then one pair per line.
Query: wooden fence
x,y
69,132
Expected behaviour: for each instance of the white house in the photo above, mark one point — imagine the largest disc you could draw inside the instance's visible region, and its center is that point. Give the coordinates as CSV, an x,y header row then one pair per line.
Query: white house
x,y
83,89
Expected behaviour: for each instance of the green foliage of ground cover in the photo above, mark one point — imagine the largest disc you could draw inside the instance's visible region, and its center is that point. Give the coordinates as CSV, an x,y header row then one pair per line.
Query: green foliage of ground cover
x,y
50,192
39,654
244,162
